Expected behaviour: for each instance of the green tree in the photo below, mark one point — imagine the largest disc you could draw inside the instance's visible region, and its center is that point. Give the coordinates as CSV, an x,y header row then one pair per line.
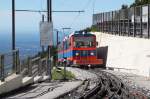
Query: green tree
x,y
124,6
140,2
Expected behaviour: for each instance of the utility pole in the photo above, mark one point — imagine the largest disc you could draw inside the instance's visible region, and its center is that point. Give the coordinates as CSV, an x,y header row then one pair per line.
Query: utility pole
x,y
13,36
49,19
13,24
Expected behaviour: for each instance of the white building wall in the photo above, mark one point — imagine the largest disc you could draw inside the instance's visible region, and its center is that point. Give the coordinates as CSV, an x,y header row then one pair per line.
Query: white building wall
x,y
127,52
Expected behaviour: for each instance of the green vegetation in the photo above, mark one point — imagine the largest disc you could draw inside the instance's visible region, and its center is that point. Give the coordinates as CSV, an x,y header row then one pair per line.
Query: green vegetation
x,y
59,74
94,29
124,6
90,29
140,2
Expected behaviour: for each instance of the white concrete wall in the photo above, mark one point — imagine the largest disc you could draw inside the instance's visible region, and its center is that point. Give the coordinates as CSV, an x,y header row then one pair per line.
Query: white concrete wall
x,y
127,52
11,83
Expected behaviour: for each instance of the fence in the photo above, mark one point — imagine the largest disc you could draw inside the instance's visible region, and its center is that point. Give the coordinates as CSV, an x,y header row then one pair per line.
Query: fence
x,y
10,63
134,21
36,66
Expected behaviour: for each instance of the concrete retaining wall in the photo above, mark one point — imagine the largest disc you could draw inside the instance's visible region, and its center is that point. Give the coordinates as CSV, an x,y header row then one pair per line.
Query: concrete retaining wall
x,y
127,52
11,83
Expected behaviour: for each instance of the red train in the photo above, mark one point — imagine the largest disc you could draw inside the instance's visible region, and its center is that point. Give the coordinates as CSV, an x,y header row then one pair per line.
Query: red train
x,y
80,50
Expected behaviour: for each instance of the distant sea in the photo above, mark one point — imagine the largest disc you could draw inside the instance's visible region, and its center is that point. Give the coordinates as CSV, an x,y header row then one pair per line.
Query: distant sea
x,y
28,44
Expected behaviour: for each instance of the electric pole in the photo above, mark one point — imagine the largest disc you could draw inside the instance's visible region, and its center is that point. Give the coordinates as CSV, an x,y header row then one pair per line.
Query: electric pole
x,y
49,19
13,36
13,25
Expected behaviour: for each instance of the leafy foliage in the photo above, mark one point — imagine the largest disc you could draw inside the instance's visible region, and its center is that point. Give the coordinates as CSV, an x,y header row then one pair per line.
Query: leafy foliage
x,y
140,2
124,6
90,29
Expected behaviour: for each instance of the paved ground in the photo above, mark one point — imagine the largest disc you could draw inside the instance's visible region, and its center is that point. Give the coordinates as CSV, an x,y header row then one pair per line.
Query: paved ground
x,y
45,90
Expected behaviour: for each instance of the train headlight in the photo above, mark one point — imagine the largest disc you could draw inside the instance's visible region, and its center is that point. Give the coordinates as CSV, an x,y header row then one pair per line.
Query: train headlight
x,y
92,53
77,54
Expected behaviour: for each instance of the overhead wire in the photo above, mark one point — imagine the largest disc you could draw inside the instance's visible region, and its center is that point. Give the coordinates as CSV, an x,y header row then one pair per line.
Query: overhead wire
x,y
42,9
84,9
94,1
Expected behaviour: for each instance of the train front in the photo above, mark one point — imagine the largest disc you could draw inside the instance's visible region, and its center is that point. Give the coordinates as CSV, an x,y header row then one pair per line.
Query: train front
x,y
84,50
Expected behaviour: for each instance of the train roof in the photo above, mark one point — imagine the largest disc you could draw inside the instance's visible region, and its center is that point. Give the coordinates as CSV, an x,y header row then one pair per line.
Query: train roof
x,y
78,34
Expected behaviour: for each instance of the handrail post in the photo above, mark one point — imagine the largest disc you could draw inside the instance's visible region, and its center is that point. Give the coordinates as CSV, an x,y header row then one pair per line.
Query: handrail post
x,y
17,62
46,66
49,68
29,67
39,67
2,72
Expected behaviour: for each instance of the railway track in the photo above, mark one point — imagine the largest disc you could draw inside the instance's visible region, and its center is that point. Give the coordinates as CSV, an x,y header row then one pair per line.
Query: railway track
x,y
99,84
106,86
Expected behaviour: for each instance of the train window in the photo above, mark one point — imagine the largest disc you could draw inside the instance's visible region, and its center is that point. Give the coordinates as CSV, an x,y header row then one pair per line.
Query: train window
x,y
84,42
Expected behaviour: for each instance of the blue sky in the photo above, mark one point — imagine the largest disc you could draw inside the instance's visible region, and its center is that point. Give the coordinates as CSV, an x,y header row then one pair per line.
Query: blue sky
x,y
29,22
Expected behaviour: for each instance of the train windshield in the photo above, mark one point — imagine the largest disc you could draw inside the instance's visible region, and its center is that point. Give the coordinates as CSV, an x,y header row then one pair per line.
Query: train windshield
x,y
84,42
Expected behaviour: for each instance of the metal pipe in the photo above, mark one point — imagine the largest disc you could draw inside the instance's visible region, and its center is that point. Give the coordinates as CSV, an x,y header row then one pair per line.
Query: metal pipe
x,y
17,62
134,26
148,25
13,24
43,19
57,38
29,67
13,34
141,22
112,23
49,19
47,11
50,10
2,72
128,23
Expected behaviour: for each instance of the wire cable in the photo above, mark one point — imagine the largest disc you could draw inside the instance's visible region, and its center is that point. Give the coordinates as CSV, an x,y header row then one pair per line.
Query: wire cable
x,y
94,1
77,17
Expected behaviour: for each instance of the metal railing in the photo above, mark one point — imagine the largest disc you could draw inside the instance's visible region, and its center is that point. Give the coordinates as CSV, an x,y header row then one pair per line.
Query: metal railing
x,y
134,21
9,64
33,66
